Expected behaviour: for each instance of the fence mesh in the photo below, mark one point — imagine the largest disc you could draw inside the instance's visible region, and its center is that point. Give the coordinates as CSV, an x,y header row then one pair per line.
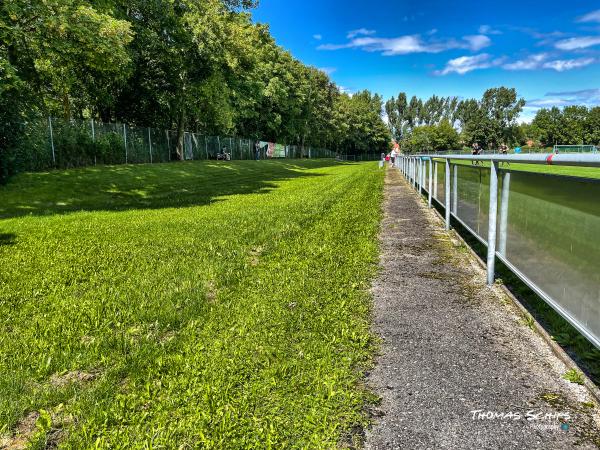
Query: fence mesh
x,y
58,143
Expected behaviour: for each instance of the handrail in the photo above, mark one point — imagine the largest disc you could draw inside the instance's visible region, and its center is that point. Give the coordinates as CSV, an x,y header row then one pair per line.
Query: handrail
x,y
551,159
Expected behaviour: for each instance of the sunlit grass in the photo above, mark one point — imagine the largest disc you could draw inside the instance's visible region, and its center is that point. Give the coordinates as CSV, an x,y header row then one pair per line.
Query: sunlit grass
x,y
188,305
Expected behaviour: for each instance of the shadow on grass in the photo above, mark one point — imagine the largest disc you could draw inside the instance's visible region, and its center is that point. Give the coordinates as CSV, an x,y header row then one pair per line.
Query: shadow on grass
x,y
170,185
7,239
564,334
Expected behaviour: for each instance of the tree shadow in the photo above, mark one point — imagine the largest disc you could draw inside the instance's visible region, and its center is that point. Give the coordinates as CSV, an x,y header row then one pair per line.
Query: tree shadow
x,y
7,239
148,186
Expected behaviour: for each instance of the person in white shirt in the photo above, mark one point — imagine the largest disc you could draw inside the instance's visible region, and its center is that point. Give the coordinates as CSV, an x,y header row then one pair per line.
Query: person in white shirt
x,y
394,155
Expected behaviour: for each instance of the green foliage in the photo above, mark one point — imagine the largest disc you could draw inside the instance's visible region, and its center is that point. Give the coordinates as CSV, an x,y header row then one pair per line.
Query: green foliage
x,y
491,121
570,125
204,304
574,376
403,116
360,128
430,125
432,138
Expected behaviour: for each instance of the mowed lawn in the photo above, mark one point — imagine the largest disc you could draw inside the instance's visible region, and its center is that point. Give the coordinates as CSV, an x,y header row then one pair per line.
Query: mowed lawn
x,y
214,305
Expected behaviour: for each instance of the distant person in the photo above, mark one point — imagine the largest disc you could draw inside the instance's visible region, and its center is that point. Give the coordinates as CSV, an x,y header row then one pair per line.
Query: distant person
x,y
394,156
504,151
257,150
475,151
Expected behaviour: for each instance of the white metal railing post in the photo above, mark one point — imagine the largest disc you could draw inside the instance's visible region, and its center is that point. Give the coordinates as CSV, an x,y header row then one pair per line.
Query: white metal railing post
x,y
430,190
447,203
419,173
422,175
493,219
415,172
435,179
455,189
503,228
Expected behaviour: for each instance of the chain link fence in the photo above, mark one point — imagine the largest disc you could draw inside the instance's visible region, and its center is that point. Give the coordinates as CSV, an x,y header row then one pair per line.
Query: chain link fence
x,y
62,144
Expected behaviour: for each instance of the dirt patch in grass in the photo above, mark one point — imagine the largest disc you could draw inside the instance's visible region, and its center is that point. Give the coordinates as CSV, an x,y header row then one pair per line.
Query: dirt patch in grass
x,y
76,376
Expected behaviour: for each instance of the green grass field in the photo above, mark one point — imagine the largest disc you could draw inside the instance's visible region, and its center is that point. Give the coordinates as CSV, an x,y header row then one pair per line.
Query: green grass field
x,y
187,305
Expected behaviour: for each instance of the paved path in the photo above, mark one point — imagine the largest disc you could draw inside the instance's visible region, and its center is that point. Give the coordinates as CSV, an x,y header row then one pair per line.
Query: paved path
x,y
451,346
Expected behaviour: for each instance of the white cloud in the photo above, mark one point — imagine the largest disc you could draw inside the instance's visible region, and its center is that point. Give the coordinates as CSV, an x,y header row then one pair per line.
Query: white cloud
x,y
540,61
560,65
328,70
578,43
466,64
585,97
530,63
478,42
486,29
317,37
360,32
593,16
404,45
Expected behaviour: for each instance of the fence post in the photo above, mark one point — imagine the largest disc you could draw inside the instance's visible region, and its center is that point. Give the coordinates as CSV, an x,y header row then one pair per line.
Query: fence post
x,y
416,174
52,141
93,131
430,181
455,190
491,253
150,144
415,168
503,229
125,141
447,203
168,144
421,172
435,179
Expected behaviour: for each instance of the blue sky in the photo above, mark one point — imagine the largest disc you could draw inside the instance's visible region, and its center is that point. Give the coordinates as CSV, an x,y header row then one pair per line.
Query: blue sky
x,y
549,51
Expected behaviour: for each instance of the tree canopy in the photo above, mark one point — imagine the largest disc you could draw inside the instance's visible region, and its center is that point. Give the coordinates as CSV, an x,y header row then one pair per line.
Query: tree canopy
x,y
434,124
197,65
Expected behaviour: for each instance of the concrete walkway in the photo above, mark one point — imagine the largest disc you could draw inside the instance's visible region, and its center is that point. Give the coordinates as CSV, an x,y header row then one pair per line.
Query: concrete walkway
x,y
459,367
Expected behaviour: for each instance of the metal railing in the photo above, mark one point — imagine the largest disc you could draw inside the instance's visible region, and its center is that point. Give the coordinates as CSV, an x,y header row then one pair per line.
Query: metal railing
x,y
545,228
